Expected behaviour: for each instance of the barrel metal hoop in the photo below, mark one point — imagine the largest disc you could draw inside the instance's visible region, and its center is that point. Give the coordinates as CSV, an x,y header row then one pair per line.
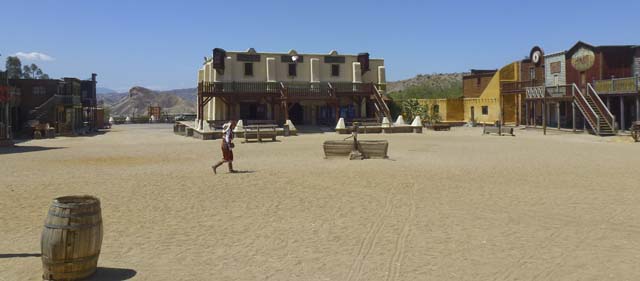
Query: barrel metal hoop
x,y
48,260
77,226
79,215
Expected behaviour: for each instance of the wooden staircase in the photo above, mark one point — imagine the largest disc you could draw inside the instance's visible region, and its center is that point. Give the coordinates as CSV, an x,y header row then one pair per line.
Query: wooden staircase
x,y
382,110
39,112
596,113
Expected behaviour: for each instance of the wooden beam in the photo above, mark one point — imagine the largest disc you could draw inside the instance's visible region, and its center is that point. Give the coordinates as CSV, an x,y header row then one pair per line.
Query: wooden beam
x,y
622,124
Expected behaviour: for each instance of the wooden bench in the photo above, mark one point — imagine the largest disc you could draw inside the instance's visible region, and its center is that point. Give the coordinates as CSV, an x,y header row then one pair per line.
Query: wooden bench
x,y
438,127
635,131
497,130
260,132
259,122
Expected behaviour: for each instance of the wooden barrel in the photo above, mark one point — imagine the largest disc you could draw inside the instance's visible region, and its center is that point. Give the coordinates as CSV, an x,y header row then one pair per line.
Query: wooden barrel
x,y
71,238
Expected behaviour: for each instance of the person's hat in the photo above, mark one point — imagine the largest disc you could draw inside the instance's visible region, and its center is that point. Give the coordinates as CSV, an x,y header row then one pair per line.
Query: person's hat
x,y
226,127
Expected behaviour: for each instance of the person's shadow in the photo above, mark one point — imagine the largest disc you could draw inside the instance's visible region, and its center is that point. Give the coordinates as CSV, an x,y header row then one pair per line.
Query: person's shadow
x,y
112,274
243,172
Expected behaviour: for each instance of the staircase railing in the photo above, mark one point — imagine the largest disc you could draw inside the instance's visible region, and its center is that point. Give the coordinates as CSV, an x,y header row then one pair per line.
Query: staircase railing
x,y
381,104
590,115
608,117
37,112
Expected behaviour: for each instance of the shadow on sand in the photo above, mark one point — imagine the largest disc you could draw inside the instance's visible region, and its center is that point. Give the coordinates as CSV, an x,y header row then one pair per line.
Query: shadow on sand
x,y
24,149
112,274
9,256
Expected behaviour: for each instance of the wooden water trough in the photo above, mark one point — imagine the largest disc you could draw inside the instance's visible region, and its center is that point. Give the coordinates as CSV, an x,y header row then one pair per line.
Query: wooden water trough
x,y
369,149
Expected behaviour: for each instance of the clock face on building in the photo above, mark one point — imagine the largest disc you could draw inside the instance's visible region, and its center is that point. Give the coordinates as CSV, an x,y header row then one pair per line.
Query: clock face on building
x,y
535,57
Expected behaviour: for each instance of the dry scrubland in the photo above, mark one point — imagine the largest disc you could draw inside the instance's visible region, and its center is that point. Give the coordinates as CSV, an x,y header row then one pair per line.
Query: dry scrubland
x,y
447,206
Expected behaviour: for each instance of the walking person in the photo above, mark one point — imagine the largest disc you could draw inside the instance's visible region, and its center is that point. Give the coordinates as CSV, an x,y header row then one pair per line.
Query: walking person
x,y
227,146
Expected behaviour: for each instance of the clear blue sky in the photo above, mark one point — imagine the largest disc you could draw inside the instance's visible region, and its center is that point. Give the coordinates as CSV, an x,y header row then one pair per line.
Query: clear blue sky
x,y
161,44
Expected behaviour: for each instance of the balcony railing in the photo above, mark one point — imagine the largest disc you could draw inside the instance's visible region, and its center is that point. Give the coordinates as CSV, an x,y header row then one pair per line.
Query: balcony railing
x,y
519,86
618,85
239,87
307,89
294,89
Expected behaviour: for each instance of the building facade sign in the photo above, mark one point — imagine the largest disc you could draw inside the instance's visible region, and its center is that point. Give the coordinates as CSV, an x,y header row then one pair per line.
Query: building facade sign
x,y
556,67
583,59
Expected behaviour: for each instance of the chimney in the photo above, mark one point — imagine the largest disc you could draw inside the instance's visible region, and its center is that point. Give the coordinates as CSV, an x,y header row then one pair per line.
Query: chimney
x,y
93,77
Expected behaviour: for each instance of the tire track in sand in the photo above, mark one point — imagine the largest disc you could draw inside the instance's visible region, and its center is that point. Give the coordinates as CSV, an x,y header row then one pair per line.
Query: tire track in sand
x,y
399,249
369,240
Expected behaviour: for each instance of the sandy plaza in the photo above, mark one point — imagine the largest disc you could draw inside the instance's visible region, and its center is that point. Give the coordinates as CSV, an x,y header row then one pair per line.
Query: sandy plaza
x,y
445,206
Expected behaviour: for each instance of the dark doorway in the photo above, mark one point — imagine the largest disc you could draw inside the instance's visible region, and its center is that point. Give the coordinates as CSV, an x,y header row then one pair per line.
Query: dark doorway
x,y
296,114
253,111
473,115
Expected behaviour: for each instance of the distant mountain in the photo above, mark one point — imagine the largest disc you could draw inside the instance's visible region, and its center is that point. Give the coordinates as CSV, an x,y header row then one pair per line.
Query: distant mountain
x,y
102,90
440,85
138,100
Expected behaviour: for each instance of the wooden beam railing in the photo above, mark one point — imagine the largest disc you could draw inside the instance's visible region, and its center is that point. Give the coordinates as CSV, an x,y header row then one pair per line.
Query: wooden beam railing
x,y
519,86
608,116
618,85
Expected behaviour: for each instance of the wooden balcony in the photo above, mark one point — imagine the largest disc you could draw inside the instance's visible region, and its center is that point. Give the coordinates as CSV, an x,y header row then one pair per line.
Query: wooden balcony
x,y
290,90
519,86
629,85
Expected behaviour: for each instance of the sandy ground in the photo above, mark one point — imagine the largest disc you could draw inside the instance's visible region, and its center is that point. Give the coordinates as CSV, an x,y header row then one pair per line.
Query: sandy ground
x,y
446,206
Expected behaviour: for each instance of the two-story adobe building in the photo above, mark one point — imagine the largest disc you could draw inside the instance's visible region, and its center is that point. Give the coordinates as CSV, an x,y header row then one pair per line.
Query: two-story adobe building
x,y
312,89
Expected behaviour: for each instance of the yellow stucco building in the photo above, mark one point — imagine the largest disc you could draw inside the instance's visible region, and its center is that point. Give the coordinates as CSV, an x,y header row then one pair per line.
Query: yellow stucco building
x,y
481,100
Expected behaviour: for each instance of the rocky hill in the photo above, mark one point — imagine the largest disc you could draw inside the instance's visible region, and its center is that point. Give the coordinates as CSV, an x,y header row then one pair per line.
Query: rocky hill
x,y
138,100
440,85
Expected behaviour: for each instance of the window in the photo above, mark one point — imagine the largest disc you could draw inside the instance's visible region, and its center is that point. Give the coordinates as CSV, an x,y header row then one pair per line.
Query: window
x,y
292,69
39,91
532,73
335,70
436,108
248,69
485,110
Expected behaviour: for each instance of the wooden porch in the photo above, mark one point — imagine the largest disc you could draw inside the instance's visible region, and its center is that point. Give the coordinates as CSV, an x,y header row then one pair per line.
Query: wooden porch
x,y
285,94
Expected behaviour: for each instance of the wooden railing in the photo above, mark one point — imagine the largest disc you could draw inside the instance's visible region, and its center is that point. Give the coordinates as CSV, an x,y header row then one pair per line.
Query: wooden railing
x,y
238,87
618,85
348,87
293,89
559,91
518,86
307,89
583,105
608,117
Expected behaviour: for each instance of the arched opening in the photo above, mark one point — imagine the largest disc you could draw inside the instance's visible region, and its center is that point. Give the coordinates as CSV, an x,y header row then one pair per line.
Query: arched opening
x,y
296,114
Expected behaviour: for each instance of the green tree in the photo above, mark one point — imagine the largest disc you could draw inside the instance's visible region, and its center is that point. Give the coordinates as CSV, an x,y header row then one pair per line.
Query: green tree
x,y
15,70
412,108
13,67
33,72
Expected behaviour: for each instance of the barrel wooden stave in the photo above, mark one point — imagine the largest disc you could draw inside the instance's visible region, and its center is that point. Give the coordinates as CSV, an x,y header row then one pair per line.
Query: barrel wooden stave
x,y
72,238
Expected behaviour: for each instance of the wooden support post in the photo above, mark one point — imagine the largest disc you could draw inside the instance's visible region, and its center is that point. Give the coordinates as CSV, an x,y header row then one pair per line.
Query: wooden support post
x,y
526,114
637,108
622,124
558,114
533,104
336,108
544,116
573,116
